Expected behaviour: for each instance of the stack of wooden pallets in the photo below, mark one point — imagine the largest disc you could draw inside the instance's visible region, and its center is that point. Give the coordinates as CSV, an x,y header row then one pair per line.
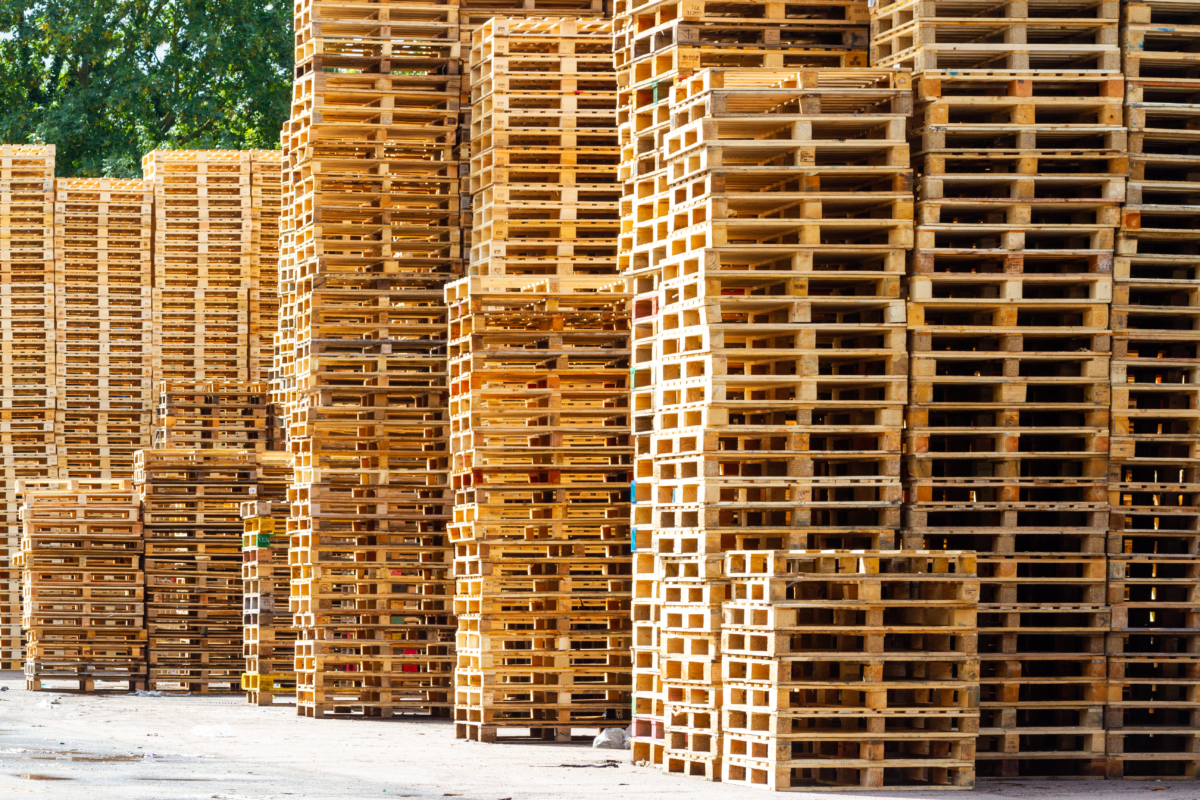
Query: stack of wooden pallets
x,y
472,15
27,357
660,42
375,234
208,415
104,324
191,507
850,669
539,339
203,231
269,638
776,372
82,586
283,371
1021,157
1153,716
266,210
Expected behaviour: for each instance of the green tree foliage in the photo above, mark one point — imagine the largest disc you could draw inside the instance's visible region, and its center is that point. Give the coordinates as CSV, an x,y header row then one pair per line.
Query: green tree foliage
x,y
108,80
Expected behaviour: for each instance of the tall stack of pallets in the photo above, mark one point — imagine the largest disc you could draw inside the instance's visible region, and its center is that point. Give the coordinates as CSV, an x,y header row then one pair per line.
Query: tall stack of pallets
x,y
203,233
376,235
656,44
269,638
1020,154
283,370
266,211
27,356
776,374
850,669
104,324
191,509
1153,717
539,371
206,415
82,586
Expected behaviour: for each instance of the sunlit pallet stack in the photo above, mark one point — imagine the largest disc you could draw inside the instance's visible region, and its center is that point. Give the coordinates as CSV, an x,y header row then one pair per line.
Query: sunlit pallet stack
x,y
1153,714
266,207
376,234
1020,154
203,233
539,392
104,324
850,669
27,358
269,638
657,44
775,366
83,586
191,509
283,371
206,415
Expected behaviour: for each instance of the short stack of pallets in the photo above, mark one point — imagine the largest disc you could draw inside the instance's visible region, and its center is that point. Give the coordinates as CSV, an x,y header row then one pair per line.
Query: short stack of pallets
x,y
191,510
1020,154
266,211
233,415
779,376
83,586
27,355
269,638
850,669
660,42
104,324
539,338
376,235
1153,716
203,232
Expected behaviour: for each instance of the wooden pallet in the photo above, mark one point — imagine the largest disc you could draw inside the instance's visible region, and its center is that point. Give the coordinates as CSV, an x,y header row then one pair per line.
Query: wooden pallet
x,y
1152,708
104,325
214,415
191,503
28,449
372,233
268,633
203,256
266,209
923,35
1010,285
848,669
84,623
539,342
773,420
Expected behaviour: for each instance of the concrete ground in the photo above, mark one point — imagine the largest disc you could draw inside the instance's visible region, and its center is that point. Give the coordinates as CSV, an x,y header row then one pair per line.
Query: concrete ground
x,y
119,747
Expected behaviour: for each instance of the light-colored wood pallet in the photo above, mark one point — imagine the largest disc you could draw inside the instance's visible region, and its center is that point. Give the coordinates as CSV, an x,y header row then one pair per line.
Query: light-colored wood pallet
x,y
104,325
755,439
232,415
268,633
266,198
27,358
1010,286
849,669
84,624
203,260
191,502
373,232
925,35
1152,711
